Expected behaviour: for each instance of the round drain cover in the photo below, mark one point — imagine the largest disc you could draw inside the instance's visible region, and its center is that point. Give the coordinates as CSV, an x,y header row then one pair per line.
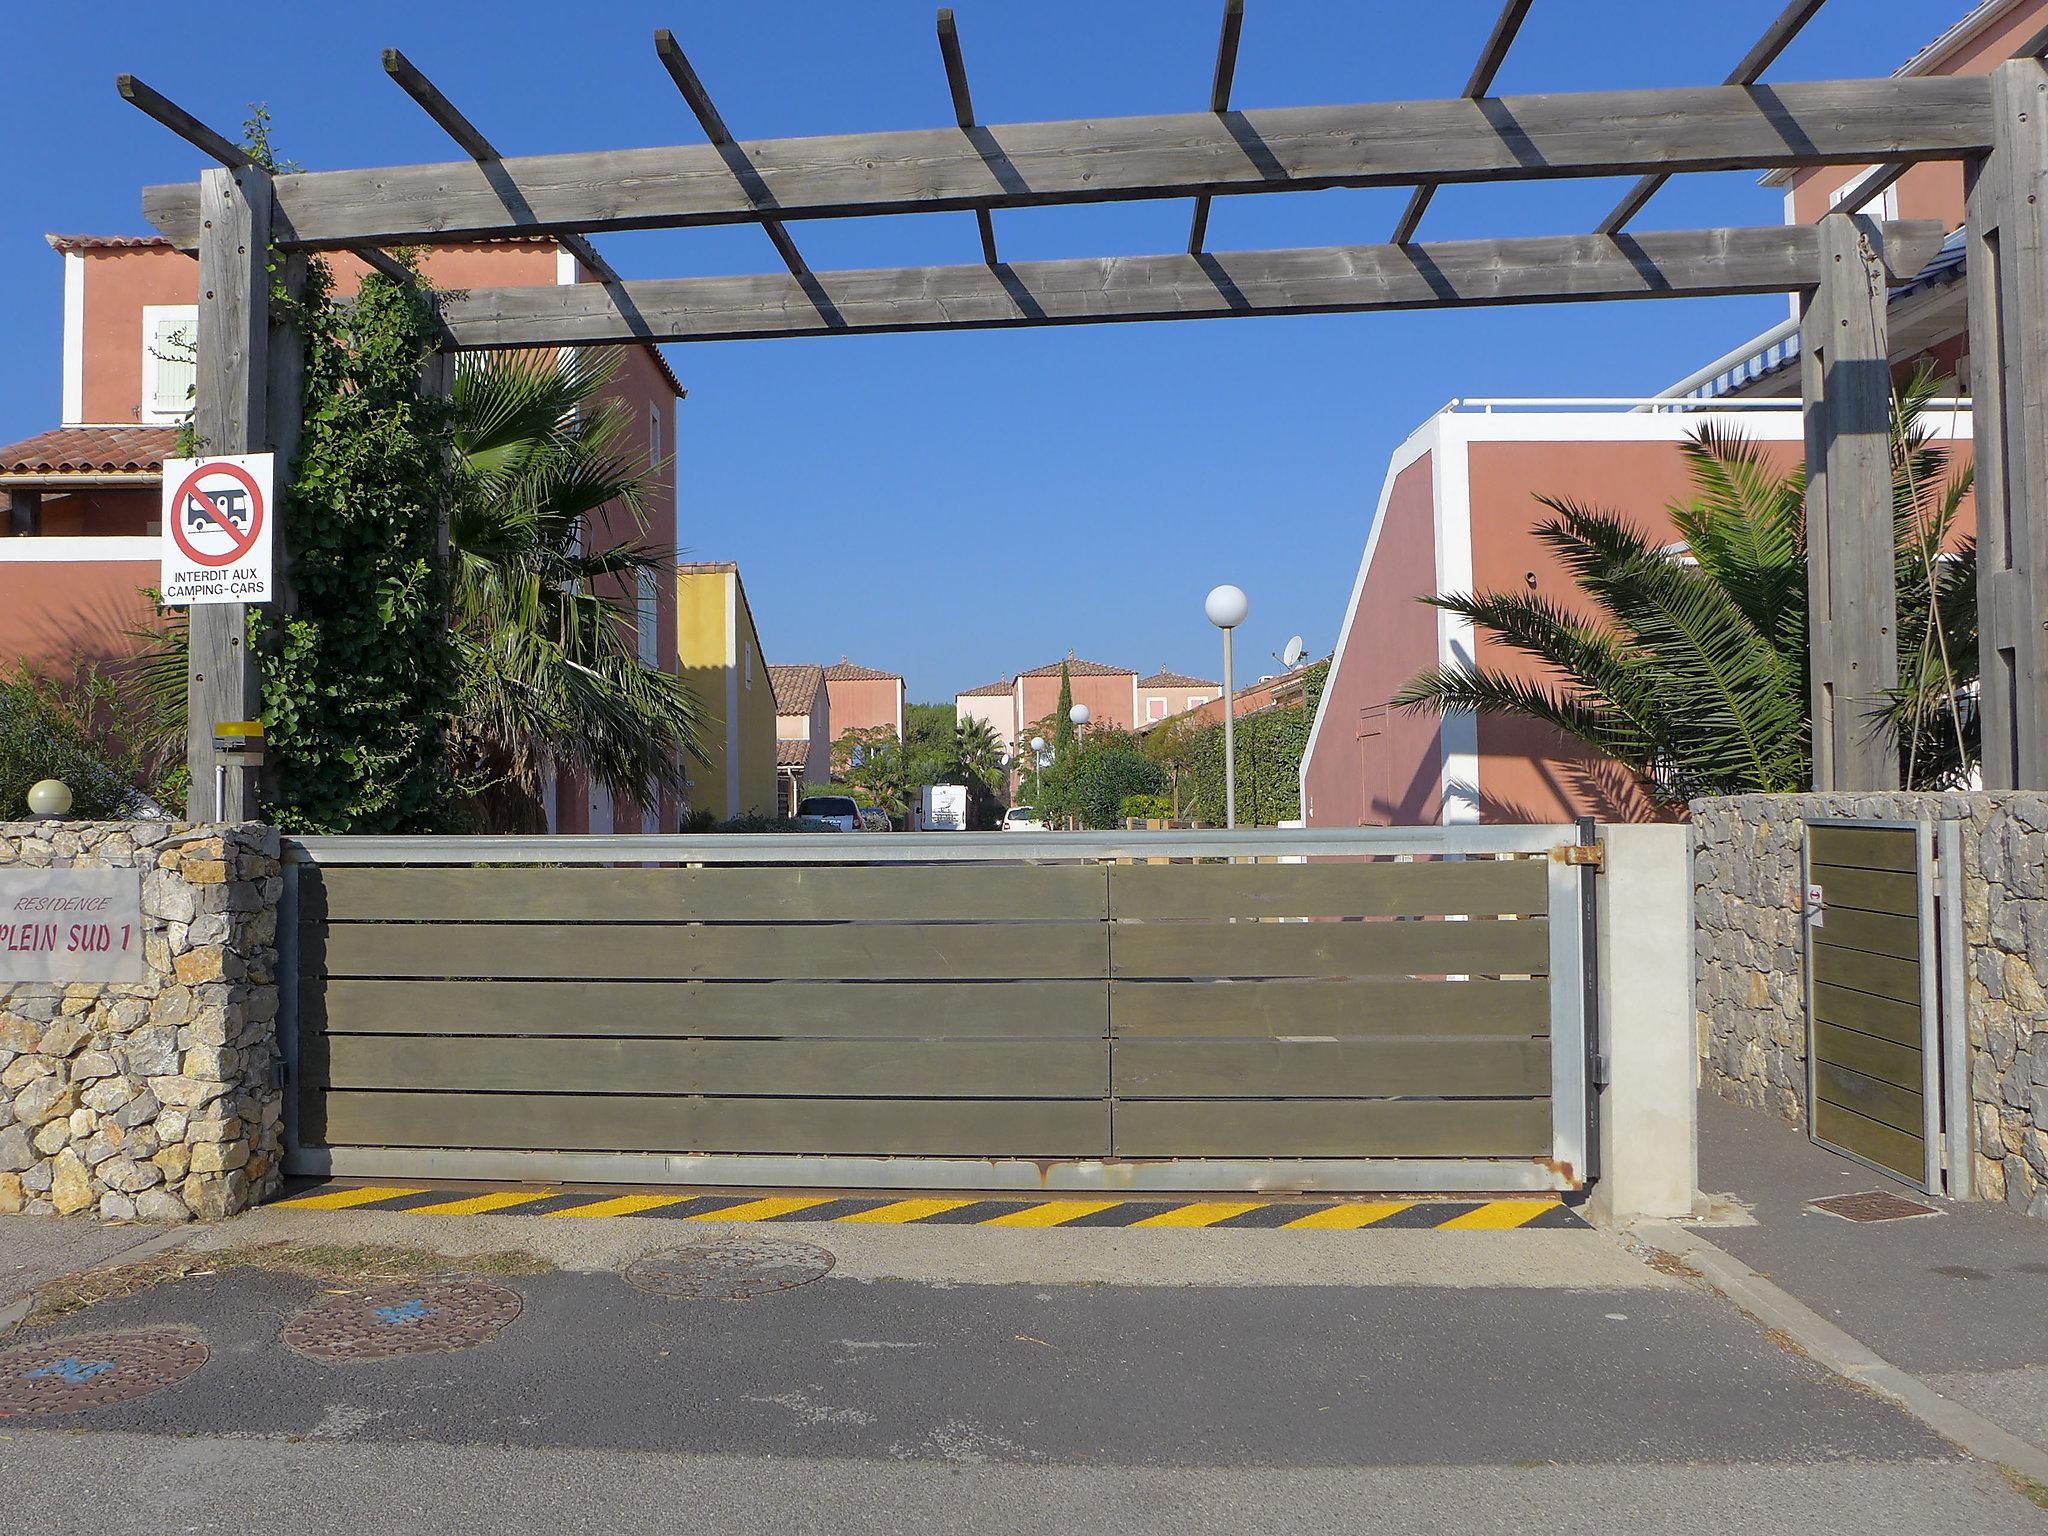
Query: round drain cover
x,y
95,1369
409,1318
736,1268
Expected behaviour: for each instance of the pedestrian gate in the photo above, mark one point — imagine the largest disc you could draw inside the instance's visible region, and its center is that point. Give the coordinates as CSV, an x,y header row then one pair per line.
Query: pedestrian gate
x,y
1366,1010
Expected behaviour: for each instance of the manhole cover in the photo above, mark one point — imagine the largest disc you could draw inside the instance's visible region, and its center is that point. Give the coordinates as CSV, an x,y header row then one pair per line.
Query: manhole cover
x,y
1872,1205
735,1268
95,1369
415,1318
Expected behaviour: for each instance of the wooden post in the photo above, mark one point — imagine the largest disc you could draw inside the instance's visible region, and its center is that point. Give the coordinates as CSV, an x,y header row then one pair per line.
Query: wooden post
x,y
230,415
24,514
2008,276
1852,588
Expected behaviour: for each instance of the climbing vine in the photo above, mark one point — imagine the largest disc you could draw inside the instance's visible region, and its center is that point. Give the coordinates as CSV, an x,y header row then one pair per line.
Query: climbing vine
x,y
359,678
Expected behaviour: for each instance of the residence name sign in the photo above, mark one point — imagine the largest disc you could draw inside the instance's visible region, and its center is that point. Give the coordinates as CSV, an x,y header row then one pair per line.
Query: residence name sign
x,y
65,925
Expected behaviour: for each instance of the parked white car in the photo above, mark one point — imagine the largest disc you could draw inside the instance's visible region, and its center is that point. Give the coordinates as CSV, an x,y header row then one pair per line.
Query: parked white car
x,y
1022,818
838,810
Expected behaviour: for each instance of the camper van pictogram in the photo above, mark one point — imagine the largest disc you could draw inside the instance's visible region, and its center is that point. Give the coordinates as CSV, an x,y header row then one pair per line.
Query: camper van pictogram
x,y
232,503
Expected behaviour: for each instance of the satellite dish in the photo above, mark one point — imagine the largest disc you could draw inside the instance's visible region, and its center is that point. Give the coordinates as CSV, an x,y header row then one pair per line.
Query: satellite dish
x,y
1291,657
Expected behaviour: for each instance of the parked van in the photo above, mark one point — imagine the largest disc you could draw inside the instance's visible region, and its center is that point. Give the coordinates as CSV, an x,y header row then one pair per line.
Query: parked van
x,y
839,810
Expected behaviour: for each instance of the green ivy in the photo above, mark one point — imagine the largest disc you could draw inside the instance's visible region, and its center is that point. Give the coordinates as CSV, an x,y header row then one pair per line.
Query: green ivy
x,y
359,679
1270,745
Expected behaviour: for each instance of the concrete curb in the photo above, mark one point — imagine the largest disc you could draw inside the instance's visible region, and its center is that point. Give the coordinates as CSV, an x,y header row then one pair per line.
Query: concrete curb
x,y
17,1309
1844,1354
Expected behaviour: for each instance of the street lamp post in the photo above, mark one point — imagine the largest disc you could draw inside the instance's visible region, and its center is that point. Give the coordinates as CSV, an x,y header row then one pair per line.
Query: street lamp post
x,y
1038,771
1226,607
1079,715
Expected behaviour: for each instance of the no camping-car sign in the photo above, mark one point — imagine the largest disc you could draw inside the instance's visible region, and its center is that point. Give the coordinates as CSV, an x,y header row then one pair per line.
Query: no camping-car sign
x,y
217,519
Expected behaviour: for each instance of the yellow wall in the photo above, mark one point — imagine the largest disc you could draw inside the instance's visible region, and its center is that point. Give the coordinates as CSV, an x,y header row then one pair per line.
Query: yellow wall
x,y
718,653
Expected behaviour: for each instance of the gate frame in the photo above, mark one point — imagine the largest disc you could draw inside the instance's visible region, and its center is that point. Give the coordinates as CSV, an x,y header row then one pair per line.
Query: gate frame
x,y
1566,1169
1934,1035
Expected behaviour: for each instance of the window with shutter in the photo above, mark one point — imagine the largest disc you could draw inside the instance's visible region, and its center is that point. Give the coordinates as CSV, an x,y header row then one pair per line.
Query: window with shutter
x,y
649,619
170,337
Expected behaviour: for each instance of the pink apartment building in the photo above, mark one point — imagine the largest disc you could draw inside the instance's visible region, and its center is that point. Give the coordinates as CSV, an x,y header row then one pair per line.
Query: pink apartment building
x,y
1457,507
79,543
861,698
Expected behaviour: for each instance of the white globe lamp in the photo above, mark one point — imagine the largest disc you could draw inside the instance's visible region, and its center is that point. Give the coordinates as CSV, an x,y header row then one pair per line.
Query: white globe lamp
x,y
1227,607
49,798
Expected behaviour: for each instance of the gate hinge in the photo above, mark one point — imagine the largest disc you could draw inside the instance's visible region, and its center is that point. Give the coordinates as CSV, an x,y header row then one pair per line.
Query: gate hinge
x,y
1586,854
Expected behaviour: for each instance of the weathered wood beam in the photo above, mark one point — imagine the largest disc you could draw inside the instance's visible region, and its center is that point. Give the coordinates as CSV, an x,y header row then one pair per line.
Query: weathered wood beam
x,y
1763,53
1709,128
187,127
477,147
1773,259
230,414
2008,225
1219,103
744,175
963,113
1491,56
1852,590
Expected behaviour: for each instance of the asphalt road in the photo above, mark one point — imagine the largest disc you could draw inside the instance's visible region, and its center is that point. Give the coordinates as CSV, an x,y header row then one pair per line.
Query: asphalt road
x,y
935,1380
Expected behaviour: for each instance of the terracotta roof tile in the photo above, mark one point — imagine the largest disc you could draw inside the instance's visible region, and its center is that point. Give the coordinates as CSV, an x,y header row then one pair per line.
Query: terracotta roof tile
x,y
792,754
1165,679
1079,668
796,686
987,690
844,671
112,450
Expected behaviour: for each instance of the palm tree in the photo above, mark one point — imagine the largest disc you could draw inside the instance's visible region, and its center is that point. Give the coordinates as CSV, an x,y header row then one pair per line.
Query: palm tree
x,y
978,753
550,670
1691,669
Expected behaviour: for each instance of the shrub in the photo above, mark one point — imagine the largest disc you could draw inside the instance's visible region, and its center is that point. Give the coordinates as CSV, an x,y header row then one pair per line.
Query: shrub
x,y
76,729
1146,808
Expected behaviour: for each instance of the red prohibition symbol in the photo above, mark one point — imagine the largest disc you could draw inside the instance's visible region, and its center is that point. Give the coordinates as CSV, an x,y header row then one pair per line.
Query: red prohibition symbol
x,y
236,511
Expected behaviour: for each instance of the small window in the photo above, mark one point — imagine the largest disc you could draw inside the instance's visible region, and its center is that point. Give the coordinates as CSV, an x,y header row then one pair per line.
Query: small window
x,y
1195,701
170,356
654,438
1155,708
748,651
649,619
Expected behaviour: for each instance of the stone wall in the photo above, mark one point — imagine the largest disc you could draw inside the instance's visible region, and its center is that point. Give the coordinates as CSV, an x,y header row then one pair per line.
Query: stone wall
x,y
156,1099
1749,988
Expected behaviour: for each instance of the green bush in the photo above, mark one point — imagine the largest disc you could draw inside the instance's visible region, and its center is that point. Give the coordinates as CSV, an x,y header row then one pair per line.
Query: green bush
x,y
1105,776
1270,745
74,729
1146,808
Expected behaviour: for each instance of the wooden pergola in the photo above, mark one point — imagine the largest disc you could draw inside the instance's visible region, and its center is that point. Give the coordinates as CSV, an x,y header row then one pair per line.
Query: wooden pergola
x,y
1997,125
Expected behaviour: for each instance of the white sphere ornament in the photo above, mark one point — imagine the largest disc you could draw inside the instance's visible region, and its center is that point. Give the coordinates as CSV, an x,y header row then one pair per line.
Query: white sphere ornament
x,y
1226,606
49,797
1078,714
1038,743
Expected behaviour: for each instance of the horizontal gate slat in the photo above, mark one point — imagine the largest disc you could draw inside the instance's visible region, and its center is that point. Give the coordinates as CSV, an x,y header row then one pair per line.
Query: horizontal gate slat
x,y
1333,1128
1898,1065
1427,888
568,1122
1875,933
1900,1108
1861,971
850,951
1375,1006
1329,1069
1010,1069
1891,848
849,893
1867,890
911,1010
1331,949
1880,1016
1888,1148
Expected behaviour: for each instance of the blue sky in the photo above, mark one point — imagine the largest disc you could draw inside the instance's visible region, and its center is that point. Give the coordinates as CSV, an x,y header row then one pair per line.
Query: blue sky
x,y
956,506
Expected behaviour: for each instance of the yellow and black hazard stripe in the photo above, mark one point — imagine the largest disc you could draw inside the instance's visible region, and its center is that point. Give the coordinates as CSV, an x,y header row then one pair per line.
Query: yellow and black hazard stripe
x,y
957,1210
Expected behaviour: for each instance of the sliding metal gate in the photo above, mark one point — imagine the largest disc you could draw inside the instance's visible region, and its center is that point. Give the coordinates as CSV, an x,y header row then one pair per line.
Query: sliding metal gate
x,y
1371,1009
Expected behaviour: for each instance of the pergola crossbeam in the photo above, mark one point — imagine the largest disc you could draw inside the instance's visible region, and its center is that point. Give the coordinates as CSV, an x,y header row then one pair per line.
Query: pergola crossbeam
x,y
750,184
1219,102
1777,37
1289,149
963,113
1491,57
1771,259
231,156
473,143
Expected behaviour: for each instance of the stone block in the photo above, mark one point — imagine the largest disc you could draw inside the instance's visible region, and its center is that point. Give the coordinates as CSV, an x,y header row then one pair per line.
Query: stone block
x,y
219,1156
175,1162
66,1035
205,964
153,1052
24,1070
116,1207
129,1176
160,1205
92,1066
139,1110
215,1197
12,1197
71,1188
52,1138
45,1099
